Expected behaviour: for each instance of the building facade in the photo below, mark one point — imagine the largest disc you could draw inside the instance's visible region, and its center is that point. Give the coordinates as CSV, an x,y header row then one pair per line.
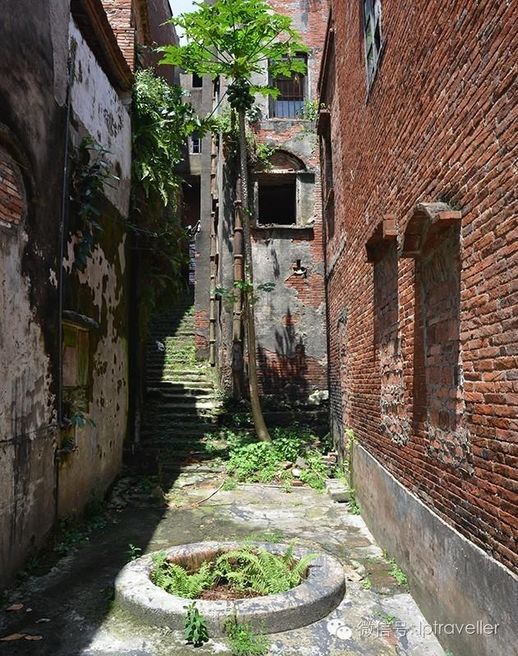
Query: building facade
x,y
65,103
418,149
286,228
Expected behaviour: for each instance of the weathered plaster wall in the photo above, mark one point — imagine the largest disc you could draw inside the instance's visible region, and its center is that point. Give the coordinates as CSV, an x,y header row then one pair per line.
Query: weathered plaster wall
x,y
101,113
99,293
291,334
290,319
452,580
33,75
34,49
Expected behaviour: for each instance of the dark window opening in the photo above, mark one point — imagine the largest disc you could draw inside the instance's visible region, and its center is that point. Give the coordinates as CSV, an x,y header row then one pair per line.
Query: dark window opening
x,y
195,144
197,81
277,200
292,95
373,38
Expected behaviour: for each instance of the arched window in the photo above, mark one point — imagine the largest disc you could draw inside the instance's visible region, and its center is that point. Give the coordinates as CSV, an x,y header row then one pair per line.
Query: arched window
x,y
284,194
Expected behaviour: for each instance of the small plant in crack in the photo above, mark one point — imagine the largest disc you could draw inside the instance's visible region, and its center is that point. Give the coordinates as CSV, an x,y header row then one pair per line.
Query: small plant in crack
x,y
243,641
366,583
195,627
133,552
397,573
388,618
229,485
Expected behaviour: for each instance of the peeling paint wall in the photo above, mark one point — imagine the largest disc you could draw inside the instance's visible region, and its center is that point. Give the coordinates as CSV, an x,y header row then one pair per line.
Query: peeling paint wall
x,y
31,78
33,128
99,293
290,320
101,114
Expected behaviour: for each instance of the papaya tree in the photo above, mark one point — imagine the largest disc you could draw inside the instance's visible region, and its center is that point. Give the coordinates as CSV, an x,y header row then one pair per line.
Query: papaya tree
x,y
236,40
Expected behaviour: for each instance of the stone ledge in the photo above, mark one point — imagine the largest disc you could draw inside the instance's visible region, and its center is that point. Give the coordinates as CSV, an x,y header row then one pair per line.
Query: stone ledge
x,y
310,601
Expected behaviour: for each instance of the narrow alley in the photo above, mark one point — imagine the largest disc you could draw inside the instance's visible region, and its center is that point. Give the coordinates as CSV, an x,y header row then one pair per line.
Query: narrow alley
x,y
258,328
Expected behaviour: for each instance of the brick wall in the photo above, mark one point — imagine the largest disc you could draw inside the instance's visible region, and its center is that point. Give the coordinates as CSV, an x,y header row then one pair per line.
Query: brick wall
x,y
120,15
291,334
424,350
12,195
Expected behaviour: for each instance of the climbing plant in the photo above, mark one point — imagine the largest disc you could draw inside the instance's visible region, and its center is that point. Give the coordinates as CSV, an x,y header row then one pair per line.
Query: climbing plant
x,y
236,39
162,122
91,171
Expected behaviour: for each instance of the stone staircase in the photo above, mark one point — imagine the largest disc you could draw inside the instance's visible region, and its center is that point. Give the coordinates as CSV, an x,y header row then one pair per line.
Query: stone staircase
x,y
182,406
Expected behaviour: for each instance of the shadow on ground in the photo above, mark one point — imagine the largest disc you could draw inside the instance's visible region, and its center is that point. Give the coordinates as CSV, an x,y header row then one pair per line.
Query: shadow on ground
x,y
376,618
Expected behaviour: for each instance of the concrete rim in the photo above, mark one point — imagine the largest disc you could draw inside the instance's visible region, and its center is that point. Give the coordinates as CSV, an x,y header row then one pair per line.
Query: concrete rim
x,y
309,602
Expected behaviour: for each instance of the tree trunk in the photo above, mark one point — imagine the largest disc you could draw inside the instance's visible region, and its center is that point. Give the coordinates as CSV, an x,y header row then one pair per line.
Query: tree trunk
x,y
257,413
239,276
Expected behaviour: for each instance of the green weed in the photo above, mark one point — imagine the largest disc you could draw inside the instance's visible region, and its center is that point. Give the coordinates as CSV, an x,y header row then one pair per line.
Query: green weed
x,y
243,641
195,627
366,583
397,573
316,472
229,485
133,552
352,504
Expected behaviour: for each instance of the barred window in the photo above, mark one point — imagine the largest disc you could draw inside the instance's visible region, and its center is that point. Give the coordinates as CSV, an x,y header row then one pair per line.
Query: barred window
x,y
292,94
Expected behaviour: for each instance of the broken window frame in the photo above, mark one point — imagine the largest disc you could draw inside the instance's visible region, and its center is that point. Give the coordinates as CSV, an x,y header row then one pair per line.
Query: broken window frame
x,y
299,179
373,38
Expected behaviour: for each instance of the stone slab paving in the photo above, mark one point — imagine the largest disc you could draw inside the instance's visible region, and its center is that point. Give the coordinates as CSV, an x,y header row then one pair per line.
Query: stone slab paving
x,y
376,617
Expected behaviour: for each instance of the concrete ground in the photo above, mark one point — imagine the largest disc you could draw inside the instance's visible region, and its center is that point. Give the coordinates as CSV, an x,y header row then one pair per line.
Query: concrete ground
x,y
69,610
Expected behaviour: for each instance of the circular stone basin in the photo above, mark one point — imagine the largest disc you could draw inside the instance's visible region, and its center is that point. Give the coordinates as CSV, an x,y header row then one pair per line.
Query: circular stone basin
x,y
313,599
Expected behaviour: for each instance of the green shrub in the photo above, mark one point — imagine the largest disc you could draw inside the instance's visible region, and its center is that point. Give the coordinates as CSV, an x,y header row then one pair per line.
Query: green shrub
x,y
252,461
291,443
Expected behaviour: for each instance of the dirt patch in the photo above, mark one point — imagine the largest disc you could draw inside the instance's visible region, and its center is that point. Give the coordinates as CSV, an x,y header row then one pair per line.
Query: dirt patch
x,y
225,593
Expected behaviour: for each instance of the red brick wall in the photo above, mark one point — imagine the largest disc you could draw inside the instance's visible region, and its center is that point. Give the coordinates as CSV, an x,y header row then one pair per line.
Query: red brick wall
x,y
12,196
120,15
434,396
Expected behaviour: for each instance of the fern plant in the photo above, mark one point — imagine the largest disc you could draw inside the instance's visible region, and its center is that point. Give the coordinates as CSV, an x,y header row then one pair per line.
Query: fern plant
x,y
259,571
247,569
175,579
